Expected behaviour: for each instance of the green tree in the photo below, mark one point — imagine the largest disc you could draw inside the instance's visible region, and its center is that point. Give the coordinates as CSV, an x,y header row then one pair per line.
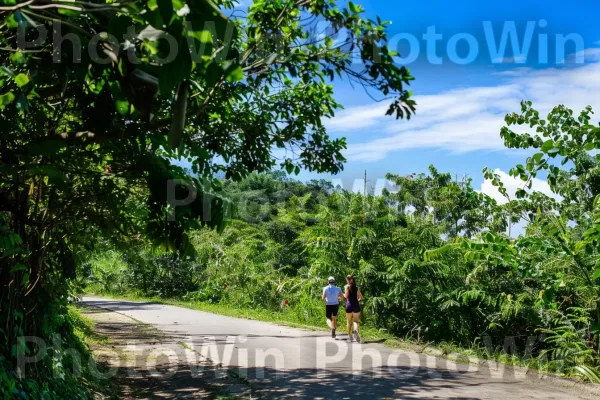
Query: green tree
x,y
88,143
453,202
558,255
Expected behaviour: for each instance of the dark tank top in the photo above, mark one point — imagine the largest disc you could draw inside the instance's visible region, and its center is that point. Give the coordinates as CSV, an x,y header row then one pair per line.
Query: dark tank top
x,y
353,298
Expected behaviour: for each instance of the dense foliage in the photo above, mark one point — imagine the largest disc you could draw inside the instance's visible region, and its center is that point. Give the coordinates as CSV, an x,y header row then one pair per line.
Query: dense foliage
x,y
432,254
99,100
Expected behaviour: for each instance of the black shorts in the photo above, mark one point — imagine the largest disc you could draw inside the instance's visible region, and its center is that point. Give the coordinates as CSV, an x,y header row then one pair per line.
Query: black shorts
x,y
352,308
332,311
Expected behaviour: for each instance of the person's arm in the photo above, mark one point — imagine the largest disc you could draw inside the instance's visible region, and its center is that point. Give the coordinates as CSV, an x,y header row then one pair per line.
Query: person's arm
x,y
360,296
347,292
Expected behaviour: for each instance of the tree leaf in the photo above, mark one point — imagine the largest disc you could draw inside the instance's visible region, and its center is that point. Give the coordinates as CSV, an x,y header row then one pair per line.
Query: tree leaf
x,y
11,21
590,146
213,74
154,17
289,166
548,144
233,72
7,71
208,15
176,71
165,7
6,99
197,30
17,57
122,106
202,35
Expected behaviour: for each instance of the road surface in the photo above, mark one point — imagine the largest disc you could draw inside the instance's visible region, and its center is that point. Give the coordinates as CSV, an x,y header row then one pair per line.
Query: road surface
x,y
286,362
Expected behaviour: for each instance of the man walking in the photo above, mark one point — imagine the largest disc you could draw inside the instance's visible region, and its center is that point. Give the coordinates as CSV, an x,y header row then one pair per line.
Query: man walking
x,y
331,295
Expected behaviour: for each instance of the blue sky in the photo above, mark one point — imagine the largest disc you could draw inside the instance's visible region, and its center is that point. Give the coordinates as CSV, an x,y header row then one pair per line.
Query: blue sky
x,y
461,107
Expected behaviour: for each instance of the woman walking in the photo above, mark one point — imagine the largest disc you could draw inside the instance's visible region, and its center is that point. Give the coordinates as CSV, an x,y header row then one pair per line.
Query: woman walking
x,y
353,298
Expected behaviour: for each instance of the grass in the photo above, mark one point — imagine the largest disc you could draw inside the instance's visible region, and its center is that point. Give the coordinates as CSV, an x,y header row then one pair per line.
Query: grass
x,y
83,327
85,332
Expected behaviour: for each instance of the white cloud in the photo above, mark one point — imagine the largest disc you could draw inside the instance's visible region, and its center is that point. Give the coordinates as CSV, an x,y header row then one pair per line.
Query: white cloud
x,y
469,119
587,55
357,118
459,120
512,184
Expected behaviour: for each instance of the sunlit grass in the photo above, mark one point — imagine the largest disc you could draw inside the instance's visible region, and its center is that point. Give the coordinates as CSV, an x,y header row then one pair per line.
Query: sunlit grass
x,y
83,327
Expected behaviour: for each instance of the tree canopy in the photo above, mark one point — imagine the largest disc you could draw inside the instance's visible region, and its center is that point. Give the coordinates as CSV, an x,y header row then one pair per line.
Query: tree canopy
x,y
102,101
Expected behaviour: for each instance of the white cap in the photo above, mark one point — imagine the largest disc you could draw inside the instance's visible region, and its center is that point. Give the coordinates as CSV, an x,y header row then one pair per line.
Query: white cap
x,y
331,278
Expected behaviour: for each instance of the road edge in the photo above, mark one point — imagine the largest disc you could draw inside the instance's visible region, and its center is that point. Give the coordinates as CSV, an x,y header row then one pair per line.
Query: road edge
x,y
529,373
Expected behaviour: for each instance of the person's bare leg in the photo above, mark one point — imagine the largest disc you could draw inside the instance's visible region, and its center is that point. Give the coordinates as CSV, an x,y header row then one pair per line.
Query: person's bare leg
x,y
349,324
355,317
333,325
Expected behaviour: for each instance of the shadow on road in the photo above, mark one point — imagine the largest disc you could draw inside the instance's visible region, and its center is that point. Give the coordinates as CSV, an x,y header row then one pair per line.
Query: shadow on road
x,y
331,384
183,381
120,306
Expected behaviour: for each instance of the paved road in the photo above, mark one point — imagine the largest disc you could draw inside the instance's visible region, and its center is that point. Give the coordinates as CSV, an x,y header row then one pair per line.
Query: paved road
x,y
294,363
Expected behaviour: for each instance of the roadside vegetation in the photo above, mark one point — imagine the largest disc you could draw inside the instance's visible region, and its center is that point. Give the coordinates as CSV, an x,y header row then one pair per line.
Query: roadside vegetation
x,y
432,257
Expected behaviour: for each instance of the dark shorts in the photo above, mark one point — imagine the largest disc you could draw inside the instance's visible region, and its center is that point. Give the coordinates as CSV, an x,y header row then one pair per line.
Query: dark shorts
x,y
352,308
332,311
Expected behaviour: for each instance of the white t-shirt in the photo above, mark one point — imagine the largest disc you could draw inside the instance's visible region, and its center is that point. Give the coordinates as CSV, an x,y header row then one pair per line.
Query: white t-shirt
x,y
331,293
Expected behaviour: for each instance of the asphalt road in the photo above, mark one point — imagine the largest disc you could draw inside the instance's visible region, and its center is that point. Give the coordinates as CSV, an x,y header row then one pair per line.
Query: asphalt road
x,y
295,363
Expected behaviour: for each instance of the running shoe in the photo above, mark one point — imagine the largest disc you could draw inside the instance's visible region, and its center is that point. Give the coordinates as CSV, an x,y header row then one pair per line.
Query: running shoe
x,y
356,336
333,333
